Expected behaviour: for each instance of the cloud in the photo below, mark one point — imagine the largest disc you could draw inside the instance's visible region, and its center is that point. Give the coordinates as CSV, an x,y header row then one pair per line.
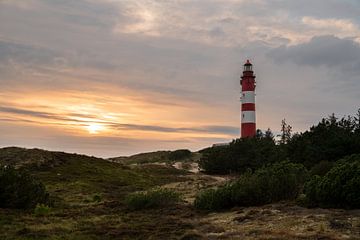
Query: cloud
x,y
86,119
340,27
328,51
170,69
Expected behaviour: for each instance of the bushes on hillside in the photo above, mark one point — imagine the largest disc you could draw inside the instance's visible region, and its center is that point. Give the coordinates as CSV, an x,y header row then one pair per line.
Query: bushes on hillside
x,y
152,199
280,181
240,155
330,140
179,154
20,190
340,187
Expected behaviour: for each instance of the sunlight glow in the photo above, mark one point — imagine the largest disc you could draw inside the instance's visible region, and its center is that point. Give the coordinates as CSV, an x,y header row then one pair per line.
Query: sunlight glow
x,y
95,128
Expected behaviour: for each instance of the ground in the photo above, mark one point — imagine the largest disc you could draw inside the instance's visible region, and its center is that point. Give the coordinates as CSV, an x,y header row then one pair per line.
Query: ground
x,y
73,181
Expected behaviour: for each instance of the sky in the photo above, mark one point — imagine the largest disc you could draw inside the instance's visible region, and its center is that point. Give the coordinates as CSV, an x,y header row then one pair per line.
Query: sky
x,y
118,77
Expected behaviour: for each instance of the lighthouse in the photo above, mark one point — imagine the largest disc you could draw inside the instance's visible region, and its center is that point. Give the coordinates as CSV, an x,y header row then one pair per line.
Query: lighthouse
x,y
248,84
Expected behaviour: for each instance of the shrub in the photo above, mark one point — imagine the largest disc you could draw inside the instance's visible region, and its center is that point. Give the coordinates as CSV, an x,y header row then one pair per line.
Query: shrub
x,y
280,181
41,210
97,198
18,189
179,154
321,168
339,187
240,155
214,199
330,140
152,199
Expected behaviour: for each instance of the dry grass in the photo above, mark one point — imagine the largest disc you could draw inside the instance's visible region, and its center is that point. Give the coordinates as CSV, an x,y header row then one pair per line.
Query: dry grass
x,y
73,183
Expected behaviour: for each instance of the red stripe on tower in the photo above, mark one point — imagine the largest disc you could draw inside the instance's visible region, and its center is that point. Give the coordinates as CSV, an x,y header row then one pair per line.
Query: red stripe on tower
x,y
248,119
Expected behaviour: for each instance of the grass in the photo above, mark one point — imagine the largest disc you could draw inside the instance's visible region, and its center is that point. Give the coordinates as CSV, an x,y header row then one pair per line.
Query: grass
x,y
75,183
152,199
155,157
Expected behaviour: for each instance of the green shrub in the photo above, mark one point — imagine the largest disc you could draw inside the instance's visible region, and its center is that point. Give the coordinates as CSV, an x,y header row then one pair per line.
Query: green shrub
x,y
179,154
152,199
321,168
241,155
329,140
339,188
280,181
97,198
214,199
41,210
18,189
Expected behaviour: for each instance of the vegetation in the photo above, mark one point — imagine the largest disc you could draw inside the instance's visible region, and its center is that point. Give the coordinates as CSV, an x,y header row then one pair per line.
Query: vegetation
x,y
330,140
280,181
20,190
73,181
321,146
179,154
340,187
41,210
152,199
239,156
157,157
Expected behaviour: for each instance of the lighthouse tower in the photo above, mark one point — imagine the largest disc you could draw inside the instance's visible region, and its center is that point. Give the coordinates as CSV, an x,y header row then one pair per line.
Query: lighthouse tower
x,y
248,121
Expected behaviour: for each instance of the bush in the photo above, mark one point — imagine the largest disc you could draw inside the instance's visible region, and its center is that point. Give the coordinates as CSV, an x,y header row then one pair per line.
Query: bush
x,y
339,188
321,168
152,199
20,190
240,155
97,198
41,210
179,154
330,140
214,199
280,181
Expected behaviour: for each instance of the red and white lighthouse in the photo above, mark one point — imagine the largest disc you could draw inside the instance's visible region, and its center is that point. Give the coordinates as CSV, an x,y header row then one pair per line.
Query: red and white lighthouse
x,y
248,119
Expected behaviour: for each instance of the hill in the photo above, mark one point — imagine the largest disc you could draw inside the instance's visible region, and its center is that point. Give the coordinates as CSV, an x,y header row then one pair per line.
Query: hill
x,y
156,157
89,203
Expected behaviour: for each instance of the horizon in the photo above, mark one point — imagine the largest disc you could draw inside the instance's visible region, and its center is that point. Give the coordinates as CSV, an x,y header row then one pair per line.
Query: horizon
x,y
114,78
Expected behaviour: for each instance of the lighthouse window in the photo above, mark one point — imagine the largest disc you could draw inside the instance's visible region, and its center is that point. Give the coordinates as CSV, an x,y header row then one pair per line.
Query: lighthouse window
x,y
247,68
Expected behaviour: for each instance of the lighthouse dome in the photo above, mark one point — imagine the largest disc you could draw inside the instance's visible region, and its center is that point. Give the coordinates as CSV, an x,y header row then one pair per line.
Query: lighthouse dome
x,y
248,66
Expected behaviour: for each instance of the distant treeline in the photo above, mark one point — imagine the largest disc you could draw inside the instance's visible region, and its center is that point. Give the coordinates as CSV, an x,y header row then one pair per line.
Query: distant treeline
x,y
330,140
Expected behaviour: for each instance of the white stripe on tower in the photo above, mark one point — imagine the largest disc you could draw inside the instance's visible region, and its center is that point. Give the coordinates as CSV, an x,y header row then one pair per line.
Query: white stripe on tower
x,y
248,97
248,117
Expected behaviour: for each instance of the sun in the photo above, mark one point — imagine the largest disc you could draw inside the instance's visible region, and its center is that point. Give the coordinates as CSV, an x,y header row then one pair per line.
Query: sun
x,y
94,128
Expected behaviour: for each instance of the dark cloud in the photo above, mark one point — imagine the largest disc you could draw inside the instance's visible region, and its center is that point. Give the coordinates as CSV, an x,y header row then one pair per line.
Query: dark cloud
x,y
204,129
326,51
31,113
21,53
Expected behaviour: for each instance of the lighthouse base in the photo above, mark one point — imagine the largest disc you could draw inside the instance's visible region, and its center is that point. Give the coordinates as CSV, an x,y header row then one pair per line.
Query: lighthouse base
x,y
248,130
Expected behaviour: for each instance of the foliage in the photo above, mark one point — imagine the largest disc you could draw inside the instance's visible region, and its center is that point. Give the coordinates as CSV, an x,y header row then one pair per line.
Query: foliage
x,y
321,168
179,154
339,187
280,181
97,198
326,142
286,130
18,189
240,155
152,199
330,140
41,210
